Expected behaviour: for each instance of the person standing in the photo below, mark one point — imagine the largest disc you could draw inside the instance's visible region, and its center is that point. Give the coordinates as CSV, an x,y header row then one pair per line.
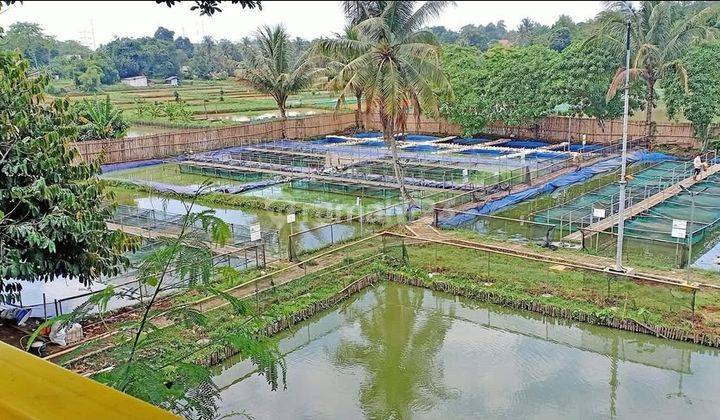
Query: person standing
x,y
698,164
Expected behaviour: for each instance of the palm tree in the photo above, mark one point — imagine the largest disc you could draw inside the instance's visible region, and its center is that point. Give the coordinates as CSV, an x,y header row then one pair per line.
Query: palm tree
x,y
335,64
357,11
398,65
270,68
660,33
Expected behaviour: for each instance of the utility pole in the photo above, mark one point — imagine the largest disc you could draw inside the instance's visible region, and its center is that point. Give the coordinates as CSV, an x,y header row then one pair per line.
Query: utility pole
x,y
623,181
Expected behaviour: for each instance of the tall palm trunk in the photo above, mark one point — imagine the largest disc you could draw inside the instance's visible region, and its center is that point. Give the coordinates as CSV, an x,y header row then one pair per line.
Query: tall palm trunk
x,y
283,118
358,110
649,105
389,137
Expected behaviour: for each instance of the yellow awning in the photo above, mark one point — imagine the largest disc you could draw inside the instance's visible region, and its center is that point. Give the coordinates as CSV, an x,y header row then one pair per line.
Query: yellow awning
x,y
32,388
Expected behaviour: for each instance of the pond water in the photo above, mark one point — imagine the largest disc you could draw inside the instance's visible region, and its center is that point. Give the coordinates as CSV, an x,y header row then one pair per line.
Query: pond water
x,y
396,351
246,116
325,199
144,130
269,221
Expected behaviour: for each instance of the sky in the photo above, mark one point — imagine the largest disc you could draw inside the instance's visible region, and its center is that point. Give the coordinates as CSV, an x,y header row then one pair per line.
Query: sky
x,y
96,23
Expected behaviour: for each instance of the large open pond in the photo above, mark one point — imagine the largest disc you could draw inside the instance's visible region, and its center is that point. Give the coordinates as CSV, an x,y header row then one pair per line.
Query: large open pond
x,y
399,352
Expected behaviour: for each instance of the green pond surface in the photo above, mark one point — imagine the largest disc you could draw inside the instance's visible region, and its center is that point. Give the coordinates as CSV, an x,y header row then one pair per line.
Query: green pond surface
x,y
397,352
269,221
332,200
167,173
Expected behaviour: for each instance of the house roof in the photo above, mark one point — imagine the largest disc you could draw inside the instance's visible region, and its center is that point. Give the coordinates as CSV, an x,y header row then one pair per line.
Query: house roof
x,y
171,77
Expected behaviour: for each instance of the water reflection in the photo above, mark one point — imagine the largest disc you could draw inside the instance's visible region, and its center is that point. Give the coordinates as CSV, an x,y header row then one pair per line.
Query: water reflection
x,y
401,352
397,348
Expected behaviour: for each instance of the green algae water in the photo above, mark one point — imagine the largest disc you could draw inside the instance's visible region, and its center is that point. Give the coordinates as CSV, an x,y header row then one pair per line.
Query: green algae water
x,y
397,352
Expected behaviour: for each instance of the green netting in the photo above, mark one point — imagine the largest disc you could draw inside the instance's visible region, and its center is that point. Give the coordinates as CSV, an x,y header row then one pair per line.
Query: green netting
x,y
434,173
357,190
222,173
703,219
578,211
285,159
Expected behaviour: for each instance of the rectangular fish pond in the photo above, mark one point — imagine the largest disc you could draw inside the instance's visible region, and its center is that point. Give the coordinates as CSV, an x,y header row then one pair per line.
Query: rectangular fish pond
x,y
396,351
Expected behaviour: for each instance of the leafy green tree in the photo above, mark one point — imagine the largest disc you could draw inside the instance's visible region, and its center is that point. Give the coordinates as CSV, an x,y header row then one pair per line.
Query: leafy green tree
x,y
164,34
474,36
529,32
700,102
336,61
89,80
444,35
517,84
358,11
462,67
183,43
580,79
33,44
148,56
52,208
398,63
99,120
660,34
201,63
269,68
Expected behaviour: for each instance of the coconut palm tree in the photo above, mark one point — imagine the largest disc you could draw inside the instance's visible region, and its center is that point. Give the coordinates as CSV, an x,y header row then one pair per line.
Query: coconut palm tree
x,y
398,65
357,11
660,33
336,62
270,67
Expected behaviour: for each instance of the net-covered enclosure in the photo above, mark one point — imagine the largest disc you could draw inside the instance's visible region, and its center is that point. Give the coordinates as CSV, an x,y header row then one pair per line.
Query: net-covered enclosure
x,y
242,176
427,171
702,218
577,212
280,159
160,223
357,190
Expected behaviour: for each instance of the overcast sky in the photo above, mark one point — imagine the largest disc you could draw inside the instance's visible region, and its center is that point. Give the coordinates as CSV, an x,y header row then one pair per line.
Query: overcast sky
x,y
100,22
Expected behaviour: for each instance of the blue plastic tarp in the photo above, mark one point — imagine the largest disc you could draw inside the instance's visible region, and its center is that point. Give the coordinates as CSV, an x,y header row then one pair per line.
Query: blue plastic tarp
x,y
581,175
129,165
524,144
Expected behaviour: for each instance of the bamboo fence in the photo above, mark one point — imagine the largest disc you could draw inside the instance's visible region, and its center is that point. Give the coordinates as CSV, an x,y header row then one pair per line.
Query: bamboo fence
x,y
554,129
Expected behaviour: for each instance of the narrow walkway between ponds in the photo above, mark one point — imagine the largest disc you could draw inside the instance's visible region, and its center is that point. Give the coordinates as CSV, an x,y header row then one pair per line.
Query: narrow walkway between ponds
x,y
644,205
321,177
423,230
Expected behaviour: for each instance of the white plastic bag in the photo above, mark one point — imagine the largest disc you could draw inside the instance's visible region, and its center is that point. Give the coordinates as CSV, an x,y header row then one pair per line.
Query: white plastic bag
x,y
58,334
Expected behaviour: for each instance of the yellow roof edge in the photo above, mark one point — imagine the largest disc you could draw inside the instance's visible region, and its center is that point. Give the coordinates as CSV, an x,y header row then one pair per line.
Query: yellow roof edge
x,y
34,388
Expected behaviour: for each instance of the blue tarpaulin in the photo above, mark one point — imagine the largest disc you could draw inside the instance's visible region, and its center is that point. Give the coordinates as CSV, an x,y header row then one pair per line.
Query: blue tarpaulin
x,y
129,165
524,144
581,175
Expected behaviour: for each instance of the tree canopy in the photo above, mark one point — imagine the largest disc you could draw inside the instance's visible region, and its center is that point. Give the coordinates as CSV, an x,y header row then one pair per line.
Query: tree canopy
x,y
52,212
700,102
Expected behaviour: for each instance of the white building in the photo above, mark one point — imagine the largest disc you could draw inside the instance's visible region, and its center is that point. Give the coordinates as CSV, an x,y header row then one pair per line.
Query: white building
x,y
137,81
172,81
